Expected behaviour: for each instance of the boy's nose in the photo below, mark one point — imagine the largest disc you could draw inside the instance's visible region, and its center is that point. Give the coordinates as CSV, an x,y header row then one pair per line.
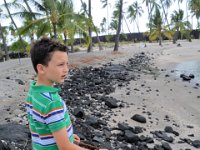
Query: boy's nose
x,y
66,69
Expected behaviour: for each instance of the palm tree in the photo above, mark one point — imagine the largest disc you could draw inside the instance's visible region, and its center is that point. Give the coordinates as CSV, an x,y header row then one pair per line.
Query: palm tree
x,y
51,16
4,41
89,30
119,26
165,5
13,22
103,24
151,6
105,5
179,25
84,7
65,24
114,25
194,6
135,11
29,8
179,1
29,17
58,16
42,25
158,28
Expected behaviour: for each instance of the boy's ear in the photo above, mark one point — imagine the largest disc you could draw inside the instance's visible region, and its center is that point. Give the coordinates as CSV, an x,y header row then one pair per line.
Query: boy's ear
x,y
40,68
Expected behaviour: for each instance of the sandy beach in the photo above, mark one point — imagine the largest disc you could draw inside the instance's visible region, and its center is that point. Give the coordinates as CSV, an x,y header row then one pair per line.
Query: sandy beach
x,y
165,95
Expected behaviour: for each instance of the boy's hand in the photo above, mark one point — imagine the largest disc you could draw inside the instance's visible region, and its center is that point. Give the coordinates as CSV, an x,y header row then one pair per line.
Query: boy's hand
x,y
76,139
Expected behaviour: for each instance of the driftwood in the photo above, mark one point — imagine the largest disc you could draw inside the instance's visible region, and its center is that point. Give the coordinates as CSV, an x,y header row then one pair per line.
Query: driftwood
x,y
88,146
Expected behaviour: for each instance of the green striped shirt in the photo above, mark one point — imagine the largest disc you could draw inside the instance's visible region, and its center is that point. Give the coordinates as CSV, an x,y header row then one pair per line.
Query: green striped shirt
x,y
47,113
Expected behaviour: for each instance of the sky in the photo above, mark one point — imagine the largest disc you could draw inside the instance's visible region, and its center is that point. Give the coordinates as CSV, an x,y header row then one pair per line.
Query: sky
x,y
98,13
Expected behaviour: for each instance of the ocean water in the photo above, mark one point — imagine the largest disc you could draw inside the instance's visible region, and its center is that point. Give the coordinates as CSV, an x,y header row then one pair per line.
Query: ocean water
x,y
189,67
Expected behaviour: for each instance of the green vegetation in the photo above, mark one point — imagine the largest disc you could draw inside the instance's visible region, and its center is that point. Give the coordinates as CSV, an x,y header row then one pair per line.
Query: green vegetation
x,y
18,46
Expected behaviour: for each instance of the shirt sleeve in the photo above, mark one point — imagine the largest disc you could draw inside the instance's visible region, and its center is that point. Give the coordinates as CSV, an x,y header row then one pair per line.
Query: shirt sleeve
x,y
55,118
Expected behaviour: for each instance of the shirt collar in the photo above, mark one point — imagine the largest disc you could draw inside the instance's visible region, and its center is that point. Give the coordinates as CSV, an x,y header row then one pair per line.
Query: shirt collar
x,y
43,88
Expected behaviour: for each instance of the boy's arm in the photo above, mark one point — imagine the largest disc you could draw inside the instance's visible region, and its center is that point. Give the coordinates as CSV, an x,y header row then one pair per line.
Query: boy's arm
x,y
63,142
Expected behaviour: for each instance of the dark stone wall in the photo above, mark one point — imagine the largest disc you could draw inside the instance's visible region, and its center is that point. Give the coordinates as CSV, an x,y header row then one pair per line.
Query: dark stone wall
x,y
136,37
18,55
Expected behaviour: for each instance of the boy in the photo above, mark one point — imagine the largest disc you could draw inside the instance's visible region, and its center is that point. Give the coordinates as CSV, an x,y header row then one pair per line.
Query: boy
x,y
48,117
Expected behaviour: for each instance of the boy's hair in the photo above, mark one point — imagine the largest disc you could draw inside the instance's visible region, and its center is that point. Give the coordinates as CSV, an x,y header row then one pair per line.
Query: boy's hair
x,y
41,51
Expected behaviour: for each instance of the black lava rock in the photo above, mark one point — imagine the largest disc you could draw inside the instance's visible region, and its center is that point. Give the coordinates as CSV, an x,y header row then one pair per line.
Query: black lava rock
x,y
131,137
139,118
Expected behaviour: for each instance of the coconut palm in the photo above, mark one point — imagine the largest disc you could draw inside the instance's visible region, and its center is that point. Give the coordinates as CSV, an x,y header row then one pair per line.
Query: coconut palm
x,y
106,5
29,9
194,6
151,6
114,25
115,17
89,30
43,26
119,25
7,5
58,16
28,16
4,40
51,15
135,11
158,28
179,2
103,25
65,24
180,25
84,7
165,5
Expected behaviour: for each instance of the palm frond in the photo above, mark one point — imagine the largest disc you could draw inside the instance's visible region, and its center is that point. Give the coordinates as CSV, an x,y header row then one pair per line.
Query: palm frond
x,y
42,29
31,25
14,5
168,34
25,14
38,6
154,35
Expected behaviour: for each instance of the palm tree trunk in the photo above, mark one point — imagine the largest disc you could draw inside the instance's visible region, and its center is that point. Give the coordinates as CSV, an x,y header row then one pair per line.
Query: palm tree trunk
x,y
198,23
65,38
99,43
176,35
72,47
90,16
150,17
54,31
160,40
137,26
89,30
29,8
32,37
127,25
119,27
20,38
4,43
187,10
165,14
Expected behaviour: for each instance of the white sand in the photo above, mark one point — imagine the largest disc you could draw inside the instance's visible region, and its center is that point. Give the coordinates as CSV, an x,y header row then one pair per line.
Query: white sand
x,y
175,98
168,96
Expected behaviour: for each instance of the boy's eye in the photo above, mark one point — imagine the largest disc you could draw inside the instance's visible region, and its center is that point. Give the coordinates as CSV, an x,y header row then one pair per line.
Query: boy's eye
x,y
61,64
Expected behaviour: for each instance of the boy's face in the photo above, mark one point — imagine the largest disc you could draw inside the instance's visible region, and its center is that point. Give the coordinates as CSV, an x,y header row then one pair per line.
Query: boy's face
x,y
57,68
